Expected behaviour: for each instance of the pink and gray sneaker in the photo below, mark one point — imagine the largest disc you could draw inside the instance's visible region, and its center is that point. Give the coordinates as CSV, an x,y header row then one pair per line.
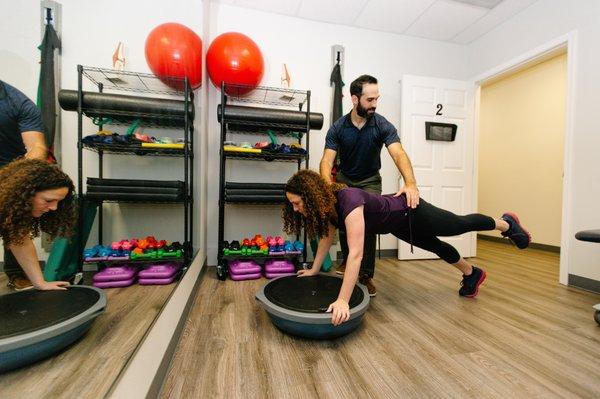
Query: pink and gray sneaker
x,y
517,233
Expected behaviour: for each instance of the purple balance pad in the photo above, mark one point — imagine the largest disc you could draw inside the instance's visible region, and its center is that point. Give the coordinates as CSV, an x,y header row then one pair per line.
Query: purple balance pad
x,y
279,266
115,273
275,275
252,276
160,270
239,267
157,281
114,284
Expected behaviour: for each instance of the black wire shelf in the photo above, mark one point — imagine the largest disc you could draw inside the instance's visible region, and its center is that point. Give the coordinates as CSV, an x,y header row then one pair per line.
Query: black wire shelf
x,y
132,201
134,81
266,95
262,127
254,202
244,130
124,149
259,256
126,118
135,261
266,156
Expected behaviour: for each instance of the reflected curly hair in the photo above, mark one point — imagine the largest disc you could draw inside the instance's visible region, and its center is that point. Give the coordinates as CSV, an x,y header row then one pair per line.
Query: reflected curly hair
x,y
319,199
20,180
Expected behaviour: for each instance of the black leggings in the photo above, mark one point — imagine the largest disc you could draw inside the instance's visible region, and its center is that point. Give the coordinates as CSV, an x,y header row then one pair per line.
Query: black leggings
x,y
428,222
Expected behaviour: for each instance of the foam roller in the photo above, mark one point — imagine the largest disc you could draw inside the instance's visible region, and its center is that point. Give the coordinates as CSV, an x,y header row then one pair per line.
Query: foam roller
x,y
105,104
238,114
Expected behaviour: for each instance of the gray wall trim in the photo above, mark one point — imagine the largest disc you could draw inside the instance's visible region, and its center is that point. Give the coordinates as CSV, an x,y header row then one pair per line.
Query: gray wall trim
x,y
584,283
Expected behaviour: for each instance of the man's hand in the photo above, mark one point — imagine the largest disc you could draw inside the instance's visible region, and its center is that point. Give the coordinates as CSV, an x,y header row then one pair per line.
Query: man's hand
x,y
340,312
52,285
412,195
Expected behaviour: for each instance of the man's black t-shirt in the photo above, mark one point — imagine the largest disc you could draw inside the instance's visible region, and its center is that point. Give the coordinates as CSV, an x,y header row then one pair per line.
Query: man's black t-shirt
x,y
18,114
359,151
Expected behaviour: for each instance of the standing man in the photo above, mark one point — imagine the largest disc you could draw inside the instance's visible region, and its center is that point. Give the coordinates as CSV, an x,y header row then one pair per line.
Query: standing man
x,y
21,134
357,138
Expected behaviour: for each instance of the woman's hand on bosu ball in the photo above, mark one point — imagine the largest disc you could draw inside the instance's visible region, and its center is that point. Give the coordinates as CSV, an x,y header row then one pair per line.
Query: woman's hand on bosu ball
x,y
308,272
52,285
340,312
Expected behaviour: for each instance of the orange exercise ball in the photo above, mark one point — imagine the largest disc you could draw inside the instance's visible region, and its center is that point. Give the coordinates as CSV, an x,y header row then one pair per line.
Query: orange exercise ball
x,y
234,58
174,50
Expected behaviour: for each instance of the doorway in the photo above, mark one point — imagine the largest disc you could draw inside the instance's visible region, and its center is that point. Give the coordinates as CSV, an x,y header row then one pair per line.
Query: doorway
x,y
560,55
521,148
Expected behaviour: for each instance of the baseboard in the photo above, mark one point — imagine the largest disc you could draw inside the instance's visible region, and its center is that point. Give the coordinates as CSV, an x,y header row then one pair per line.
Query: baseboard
x,y
145,371
533,245
584,283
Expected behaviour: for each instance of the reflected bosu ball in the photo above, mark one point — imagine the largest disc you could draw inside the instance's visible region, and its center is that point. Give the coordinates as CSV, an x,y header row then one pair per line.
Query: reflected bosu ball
x,y
298,305
174,50
234,58
37,324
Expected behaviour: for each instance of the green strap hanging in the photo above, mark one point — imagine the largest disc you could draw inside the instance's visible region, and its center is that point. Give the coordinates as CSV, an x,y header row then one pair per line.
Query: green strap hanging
x,y
272,137
134,126
101,121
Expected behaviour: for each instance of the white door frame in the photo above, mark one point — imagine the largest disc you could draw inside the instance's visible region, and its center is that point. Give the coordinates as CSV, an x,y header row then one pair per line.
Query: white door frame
x,y
545,51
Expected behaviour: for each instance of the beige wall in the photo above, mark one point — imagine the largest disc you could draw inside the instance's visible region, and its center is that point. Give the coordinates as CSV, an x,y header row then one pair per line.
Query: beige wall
x,y
521,135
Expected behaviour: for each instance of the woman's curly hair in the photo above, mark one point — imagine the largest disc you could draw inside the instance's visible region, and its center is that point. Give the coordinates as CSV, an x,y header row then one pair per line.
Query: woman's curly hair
x,y
20,180
319,199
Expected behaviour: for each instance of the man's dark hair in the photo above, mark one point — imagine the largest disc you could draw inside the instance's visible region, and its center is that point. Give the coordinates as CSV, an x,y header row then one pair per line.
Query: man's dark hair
x,y
357,85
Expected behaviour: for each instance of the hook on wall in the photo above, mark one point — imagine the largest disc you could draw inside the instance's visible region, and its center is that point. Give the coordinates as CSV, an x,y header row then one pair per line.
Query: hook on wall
x,y
338,56
49,18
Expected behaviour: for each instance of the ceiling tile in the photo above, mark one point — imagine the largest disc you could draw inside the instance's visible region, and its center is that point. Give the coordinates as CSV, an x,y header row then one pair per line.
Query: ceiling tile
x,y
457,21
286,7
342,12
504,11
391,16
445,19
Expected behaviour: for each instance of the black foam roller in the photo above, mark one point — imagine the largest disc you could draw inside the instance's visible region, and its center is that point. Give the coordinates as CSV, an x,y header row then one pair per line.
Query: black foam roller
x,y
107,103
238,114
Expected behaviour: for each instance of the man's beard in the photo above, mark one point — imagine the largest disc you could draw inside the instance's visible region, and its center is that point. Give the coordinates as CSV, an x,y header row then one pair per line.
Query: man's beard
x,y
364,112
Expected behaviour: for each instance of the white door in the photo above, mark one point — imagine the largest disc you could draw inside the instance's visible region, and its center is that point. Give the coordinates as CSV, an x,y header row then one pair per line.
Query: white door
x,y
444,169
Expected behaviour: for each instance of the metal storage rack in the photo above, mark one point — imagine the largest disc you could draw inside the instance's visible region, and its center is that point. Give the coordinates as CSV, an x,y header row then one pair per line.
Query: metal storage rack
x,y
155,90
278,99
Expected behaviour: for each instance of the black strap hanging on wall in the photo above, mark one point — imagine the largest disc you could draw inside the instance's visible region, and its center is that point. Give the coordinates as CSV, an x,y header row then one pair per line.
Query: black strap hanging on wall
x,y
46,98
336,80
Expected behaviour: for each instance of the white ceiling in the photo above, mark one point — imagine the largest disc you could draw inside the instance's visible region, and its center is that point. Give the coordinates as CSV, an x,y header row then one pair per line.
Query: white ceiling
x,y
455,21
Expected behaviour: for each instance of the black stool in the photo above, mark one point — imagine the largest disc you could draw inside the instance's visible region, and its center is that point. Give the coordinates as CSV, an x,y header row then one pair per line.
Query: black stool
x,y
591,236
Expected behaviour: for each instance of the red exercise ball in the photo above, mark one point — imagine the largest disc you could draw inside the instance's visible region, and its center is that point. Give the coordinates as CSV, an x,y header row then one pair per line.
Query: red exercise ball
x,y
234,58
174,50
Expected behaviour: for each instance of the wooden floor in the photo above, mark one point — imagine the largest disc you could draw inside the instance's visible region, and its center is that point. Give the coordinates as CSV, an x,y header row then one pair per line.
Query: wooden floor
x,y
88,368
524,336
